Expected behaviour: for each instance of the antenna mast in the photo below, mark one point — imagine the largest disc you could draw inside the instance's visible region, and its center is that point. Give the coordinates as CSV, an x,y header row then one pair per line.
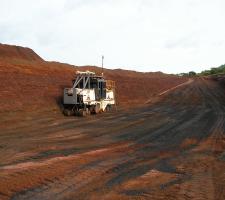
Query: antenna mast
x,y
102,64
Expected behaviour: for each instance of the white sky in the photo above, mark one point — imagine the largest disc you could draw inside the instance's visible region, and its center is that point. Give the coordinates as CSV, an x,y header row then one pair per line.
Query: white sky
x,y
145,35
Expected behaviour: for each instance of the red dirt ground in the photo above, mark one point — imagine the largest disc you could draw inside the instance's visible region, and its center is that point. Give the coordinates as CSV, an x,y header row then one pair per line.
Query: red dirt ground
x,y
29,83
172,148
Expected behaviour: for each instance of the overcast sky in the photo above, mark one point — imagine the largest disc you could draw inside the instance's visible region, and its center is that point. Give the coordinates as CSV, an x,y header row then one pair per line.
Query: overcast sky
x,y
144,35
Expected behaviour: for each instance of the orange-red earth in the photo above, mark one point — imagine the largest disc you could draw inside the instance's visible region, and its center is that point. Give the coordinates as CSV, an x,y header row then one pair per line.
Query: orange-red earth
x,y
171,148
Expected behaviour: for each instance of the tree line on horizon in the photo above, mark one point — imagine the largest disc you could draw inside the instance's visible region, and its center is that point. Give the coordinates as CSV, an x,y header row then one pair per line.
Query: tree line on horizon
x,y
212,71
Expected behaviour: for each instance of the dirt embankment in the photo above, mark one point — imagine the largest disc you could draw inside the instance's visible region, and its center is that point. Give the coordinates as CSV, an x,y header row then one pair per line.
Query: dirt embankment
x,y
172,149
17,52
30,83
219,77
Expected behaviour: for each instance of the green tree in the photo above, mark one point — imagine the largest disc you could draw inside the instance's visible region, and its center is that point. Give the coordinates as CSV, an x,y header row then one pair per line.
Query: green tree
x,y
192,73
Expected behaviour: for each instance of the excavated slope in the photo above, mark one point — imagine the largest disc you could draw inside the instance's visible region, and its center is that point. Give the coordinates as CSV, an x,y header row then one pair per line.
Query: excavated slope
x,y
30,83
16,52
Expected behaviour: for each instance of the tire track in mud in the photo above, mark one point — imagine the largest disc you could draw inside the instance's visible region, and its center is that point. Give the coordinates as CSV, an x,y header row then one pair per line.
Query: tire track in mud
x,y
205,185
161,137
187,121
218,139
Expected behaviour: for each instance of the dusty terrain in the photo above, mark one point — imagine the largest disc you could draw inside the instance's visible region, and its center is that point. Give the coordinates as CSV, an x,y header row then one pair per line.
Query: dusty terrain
x,y
171,148
30,83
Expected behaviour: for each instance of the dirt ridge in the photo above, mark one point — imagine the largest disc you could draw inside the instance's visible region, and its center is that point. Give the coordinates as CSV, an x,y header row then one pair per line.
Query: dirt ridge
x,y
18,52
30,83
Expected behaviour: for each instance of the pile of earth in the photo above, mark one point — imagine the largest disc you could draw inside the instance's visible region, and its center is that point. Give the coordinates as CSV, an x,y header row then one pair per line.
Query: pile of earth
x,y
29,83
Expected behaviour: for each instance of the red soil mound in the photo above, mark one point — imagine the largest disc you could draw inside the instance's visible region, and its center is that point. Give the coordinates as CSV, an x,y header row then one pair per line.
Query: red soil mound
x,y
30,83
16,52
135,88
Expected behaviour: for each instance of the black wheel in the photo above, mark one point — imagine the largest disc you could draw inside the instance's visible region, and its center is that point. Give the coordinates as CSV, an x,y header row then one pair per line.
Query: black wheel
x,y
82,113
97,108
67,112
92,109
108,108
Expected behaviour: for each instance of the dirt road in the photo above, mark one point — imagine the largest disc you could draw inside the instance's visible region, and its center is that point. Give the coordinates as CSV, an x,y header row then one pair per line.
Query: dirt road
x,y
172,149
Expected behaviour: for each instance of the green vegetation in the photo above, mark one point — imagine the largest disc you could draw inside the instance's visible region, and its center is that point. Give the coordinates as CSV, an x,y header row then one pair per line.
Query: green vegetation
x,y
214,70
192,73
189,74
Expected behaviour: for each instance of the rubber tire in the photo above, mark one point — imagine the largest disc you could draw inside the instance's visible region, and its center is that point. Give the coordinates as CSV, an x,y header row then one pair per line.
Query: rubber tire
x,y
68,112
82,113
108,108
97,108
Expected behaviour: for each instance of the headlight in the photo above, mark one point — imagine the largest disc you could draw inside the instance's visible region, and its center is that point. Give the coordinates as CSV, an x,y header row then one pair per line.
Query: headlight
x,y
70,92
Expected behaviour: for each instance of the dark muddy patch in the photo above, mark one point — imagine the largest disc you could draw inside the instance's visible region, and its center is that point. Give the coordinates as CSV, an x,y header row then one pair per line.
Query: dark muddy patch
x,y
134,192
47,154
127,175
179,181
91,164
56,152
222,156
165,166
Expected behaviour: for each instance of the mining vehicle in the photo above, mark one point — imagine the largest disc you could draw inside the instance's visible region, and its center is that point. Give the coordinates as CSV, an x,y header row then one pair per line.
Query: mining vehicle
x,y
90,94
